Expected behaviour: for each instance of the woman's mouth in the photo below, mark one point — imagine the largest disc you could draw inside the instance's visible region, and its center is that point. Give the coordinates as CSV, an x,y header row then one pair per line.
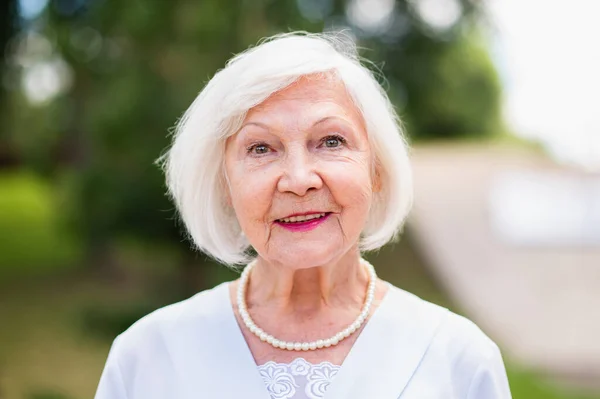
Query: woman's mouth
x,y
303,222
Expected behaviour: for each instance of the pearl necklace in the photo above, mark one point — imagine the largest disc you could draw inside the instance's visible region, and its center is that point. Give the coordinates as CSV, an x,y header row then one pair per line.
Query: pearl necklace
x,y
304,346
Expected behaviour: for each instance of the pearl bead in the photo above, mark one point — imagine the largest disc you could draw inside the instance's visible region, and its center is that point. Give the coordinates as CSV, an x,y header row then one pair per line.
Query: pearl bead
x,y
304,346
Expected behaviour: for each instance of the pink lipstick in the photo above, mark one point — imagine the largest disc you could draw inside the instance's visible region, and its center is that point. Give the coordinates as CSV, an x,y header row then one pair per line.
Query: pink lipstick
x,y
302,225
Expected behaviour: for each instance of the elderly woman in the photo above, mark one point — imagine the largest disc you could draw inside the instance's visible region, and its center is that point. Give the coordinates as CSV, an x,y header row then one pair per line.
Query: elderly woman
x,y
294,150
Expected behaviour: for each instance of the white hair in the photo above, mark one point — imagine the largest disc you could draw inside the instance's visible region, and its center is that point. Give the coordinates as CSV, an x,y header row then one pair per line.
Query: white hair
x,y
194,164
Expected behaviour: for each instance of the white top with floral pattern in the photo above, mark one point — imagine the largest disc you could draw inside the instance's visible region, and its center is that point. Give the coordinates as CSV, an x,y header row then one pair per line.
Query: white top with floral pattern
x,y
298,379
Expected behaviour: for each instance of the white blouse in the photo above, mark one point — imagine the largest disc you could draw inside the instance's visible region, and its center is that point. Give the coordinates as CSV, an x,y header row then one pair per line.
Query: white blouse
x,y
408,349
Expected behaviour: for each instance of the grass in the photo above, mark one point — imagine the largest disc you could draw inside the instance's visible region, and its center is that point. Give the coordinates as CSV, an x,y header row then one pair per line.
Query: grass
x,y
43,347
33,237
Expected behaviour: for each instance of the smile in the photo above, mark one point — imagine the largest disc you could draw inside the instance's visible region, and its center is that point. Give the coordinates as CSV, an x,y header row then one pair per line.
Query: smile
x,y
302,218
303,222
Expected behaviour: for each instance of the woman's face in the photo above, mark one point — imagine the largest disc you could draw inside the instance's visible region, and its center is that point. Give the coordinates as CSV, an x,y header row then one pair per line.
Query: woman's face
x,y
300,174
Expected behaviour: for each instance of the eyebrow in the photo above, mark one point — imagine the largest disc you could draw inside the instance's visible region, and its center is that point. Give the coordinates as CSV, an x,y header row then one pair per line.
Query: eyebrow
x,y
259,124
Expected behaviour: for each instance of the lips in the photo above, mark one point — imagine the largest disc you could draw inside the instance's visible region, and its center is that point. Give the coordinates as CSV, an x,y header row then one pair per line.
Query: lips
x,y
302,218
303,223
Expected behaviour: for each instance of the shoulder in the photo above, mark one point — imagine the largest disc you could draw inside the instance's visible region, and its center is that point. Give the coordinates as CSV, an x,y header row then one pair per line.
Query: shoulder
x,y
457,353
455,336
141,362
171,323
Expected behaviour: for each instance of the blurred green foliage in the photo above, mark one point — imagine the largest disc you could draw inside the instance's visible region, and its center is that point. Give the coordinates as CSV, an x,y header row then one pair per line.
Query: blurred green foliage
x,y
40,394
33,238
527,384
451,98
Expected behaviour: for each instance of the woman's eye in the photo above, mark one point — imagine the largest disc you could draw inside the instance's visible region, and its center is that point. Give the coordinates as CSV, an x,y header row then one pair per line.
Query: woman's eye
x,y
258,149
333,141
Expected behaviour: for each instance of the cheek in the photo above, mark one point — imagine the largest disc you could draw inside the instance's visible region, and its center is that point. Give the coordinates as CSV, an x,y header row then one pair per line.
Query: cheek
x,y
250,188
350,185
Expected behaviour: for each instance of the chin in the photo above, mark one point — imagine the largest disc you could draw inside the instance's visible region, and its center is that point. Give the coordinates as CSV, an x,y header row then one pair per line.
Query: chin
x,y
306,256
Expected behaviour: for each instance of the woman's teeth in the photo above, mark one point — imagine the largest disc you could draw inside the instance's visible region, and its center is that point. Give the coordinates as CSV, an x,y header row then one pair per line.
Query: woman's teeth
x,y
302,218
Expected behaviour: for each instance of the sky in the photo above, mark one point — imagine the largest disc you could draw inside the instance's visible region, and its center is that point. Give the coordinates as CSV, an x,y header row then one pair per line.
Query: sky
x,y
548,54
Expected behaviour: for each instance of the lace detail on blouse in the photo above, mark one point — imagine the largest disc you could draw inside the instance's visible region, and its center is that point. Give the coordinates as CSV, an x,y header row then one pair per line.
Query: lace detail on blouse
x,y
298,379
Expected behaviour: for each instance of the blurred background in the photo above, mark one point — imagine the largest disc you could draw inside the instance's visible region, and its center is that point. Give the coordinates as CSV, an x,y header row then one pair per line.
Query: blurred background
x,y
500,102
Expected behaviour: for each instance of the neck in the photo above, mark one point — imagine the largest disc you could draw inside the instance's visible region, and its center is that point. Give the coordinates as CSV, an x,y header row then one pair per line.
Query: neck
x,y
338,284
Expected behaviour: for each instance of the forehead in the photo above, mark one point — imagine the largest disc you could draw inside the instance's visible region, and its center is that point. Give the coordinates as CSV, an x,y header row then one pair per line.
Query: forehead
x,y
310,97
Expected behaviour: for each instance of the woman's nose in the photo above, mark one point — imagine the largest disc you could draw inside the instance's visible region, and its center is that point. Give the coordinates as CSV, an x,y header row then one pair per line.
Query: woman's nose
x,y
299,174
